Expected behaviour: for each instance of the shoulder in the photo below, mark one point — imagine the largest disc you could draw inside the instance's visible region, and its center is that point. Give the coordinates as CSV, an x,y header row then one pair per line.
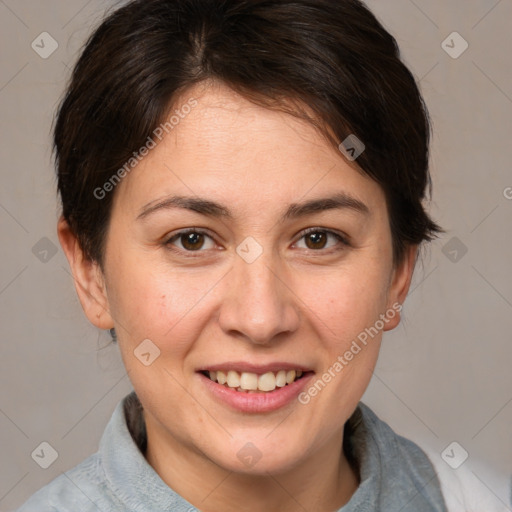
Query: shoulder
x,y
461,488
76,489
86,487
396,471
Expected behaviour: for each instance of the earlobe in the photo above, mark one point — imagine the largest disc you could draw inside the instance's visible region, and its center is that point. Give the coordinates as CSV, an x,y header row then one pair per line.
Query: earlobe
x,y
88,278
399,285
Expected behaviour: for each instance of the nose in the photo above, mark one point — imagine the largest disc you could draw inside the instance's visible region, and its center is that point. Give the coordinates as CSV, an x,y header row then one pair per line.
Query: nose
x,y
258,304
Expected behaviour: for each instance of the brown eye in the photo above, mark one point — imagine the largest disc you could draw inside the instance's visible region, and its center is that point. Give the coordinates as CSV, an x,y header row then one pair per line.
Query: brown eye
x,y
191,240
316,240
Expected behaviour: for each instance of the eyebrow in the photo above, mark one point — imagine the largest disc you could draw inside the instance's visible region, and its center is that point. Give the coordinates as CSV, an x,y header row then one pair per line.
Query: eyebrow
x,y
341,200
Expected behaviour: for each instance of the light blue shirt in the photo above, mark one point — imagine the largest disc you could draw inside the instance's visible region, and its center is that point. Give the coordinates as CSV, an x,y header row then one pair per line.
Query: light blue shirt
x,y
396,475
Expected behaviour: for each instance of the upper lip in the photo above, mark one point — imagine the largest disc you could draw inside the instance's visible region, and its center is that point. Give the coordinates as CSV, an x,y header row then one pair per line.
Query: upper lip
x,y
242,366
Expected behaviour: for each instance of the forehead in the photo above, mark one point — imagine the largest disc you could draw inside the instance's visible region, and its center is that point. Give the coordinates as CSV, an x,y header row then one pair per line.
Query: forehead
x,y
228,147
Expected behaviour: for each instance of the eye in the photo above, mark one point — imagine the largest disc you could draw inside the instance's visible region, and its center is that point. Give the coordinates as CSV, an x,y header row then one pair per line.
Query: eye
x,y
316,239
191,240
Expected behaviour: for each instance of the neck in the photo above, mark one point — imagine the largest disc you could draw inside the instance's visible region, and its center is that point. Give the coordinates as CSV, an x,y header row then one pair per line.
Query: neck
x,y
323,481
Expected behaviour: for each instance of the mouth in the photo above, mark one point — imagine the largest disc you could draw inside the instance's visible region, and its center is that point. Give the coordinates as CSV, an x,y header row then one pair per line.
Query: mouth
x,y
252,389
252,382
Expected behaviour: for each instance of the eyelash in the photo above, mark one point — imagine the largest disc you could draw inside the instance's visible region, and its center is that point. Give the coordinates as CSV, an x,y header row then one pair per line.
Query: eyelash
x,y
343,240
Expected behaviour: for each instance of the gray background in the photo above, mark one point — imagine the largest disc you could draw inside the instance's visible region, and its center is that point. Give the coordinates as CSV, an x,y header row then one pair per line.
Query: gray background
x,y
443,375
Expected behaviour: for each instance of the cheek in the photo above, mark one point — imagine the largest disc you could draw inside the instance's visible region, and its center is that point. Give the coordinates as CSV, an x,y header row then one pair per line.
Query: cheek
x,y
347,302
156,304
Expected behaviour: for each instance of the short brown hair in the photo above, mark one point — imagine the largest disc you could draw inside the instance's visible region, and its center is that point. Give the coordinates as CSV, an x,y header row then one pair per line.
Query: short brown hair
x,y
332,56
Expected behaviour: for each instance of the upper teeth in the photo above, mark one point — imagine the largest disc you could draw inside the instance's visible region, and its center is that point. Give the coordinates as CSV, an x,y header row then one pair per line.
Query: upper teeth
x,y
247,381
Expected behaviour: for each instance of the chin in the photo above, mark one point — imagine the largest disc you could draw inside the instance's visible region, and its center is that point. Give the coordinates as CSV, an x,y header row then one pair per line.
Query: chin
x,y
257,456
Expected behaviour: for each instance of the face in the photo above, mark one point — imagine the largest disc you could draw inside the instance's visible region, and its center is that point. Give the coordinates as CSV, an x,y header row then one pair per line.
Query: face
x,y
277,258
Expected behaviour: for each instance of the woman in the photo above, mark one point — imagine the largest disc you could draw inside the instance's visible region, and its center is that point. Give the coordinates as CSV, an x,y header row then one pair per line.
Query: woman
x,y
242,186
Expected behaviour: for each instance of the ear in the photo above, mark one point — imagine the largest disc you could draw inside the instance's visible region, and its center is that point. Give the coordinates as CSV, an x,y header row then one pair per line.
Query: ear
x,y
88,278
400,283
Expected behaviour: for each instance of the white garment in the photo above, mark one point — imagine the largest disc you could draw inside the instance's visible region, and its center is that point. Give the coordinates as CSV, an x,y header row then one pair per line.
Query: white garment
x,y
464,489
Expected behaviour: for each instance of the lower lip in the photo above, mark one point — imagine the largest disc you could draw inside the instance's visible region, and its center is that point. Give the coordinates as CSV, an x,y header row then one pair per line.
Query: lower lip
x,y
256,402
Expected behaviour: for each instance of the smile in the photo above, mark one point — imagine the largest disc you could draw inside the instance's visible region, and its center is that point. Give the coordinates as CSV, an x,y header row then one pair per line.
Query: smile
x,y
252,388
248,382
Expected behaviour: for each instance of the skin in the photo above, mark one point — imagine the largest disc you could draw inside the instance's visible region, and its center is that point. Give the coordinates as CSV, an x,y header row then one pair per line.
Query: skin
x,y
301,301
